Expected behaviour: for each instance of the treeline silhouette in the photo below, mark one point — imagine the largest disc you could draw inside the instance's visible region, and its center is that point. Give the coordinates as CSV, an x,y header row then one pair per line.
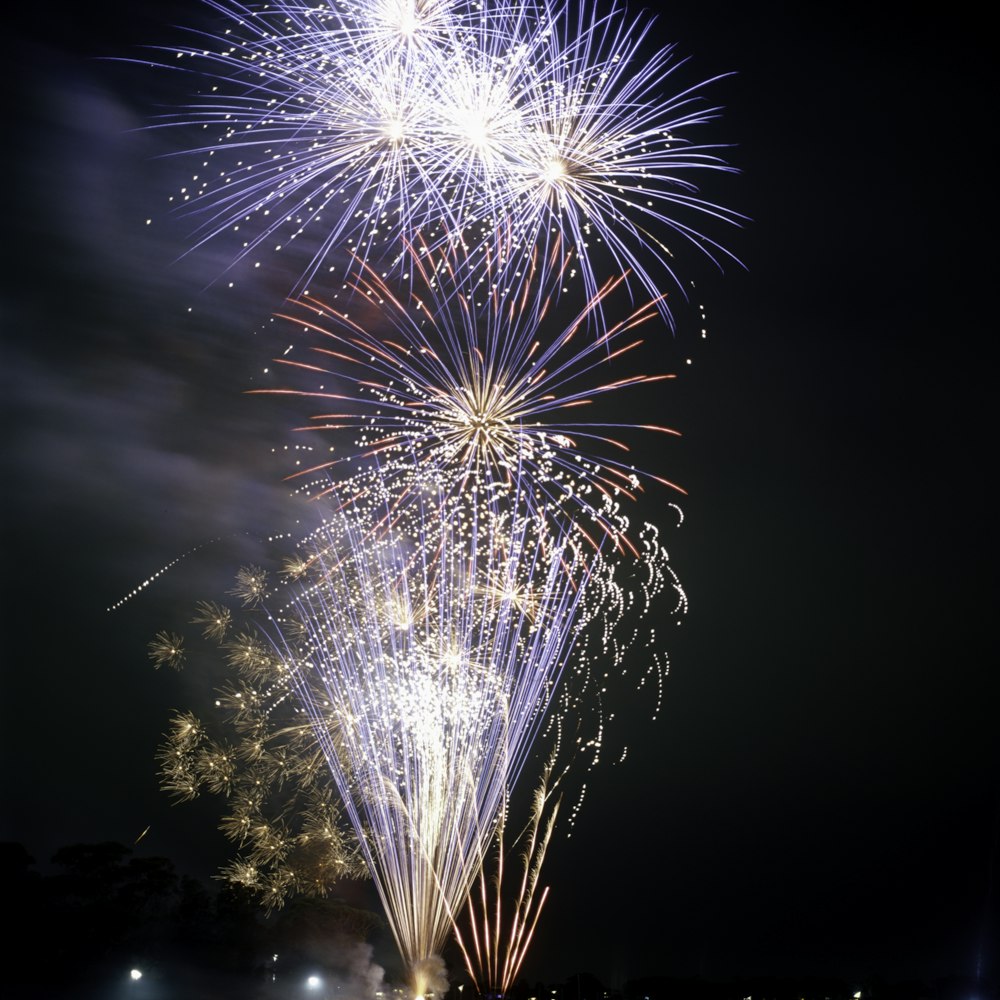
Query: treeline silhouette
x,y
101,912
77,931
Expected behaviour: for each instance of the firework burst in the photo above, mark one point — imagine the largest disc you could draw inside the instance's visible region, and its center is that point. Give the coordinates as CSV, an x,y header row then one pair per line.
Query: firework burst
x,y
281,812
321,122
167,649
576,147
463,385
351,128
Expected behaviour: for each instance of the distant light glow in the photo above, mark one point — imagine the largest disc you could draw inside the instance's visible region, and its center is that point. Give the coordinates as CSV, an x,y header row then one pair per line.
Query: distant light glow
x,y
554,169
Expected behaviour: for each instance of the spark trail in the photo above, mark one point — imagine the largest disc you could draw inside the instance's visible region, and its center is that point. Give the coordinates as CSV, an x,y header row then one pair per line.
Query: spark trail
x,y
425,651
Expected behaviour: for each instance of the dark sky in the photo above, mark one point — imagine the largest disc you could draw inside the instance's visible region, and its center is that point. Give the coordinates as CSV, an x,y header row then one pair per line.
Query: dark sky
x,y
821,791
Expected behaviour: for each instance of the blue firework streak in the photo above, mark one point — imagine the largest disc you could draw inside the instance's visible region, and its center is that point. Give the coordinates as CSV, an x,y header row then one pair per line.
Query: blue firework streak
x,y
509,128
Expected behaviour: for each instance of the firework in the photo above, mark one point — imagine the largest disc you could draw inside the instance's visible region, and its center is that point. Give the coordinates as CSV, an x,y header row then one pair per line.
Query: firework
x,y
399,671
396,684
431,617
425,651
167,649
480,388
496,948
321,120
462,165
355,127
215,619
281,811
576,147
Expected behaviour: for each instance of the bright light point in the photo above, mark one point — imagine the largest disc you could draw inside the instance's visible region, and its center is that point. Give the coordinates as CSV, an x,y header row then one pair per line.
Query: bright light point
x,y
554,169
477,133
313,982
394,130
135,975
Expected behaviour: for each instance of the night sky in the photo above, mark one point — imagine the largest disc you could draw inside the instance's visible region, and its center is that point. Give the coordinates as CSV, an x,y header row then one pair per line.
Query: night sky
x,y
822,789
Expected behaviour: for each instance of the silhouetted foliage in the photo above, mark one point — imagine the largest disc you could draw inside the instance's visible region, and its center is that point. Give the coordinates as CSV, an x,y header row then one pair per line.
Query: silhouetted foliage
x,y
103,911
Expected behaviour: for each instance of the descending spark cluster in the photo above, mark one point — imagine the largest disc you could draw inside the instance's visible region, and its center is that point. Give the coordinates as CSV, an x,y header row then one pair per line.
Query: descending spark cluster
x,y
475,580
